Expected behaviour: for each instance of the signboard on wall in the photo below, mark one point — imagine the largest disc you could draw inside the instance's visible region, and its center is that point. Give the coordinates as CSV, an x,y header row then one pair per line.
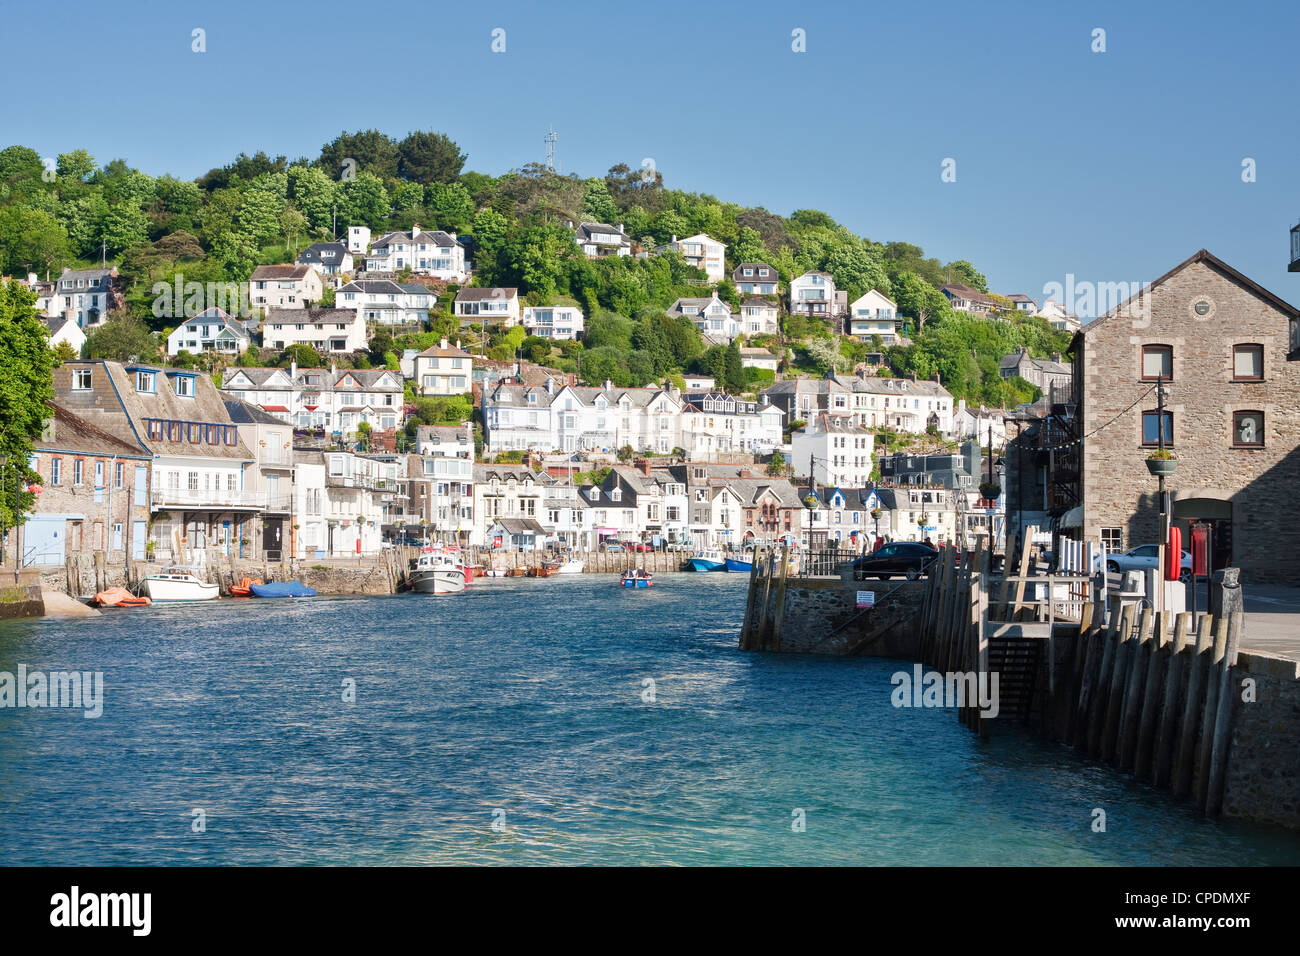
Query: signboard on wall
x,y
866,599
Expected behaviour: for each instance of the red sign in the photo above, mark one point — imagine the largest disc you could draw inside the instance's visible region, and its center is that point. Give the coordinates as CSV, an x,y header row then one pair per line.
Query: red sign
x,y
1200,549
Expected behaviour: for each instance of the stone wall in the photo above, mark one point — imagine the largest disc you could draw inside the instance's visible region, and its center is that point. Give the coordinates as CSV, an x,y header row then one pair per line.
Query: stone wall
x,y
1263,773
815,609
1257,484
20,598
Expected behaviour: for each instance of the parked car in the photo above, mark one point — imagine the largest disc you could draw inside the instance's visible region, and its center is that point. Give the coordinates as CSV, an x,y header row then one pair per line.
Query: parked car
x,y
908,558
613,547
637,546
1143,557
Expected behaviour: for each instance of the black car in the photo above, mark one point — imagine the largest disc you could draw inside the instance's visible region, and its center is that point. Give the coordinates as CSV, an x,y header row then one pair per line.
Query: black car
x,y
900,557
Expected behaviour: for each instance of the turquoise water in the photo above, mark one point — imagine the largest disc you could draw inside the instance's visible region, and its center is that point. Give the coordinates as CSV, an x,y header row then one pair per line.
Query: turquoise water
x,y
525,696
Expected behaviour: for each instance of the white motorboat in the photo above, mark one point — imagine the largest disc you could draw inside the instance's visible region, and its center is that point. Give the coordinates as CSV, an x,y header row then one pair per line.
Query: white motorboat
x,y
570,566
177,584
437,572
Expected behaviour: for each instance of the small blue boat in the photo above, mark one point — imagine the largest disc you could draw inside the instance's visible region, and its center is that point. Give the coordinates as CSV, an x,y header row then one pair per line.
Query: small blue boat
x,y
282,589
637,579
707,561
743,566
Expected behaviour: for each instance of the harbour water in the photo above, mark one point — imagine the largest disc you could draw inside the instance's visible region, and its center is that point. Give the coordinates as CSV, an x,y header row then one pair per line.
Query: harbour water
x,y
524,704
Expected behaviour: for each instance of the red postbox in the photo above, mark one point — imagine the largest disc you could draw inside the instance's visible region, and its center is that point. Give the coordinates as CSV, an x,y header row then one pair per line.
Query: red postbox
x,y
1200,549
1174,555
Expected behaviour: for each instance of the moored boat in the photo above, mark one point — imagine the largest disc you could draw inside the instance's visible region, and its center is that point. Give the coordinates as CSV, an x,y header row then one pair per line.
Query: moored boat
x,y
119,597
571,566
637,578
735,564
437,572
542,570
707,561
244,587
177,584
282,589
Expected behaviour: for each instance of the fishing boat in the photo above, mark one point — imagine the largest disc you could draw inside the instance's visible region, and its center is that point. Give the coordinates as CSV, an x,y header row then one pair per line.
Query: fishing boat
x,y
177,584
709,560
437,572
282,589
119,597
736,564
244,587
571,566
542,570
637,578
516,572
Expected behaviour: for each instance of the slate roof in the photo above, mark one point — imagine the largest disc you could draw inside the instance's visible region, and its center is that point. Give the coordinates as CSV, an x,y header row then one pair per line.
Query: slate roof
x,y
245,413
74,434
262,273
316,253
480,294
310,316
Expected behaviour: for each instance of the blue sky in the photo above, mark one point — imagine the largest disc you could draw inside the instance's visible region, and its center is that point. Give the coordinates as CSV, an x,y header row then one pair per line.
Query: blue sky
x,y
1112,166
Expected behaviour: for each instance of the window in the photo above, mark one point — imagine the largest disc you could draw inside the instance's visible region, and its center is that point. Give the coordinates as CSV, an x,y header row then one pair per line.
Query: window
x,y
119,475
1248,429
81,379
1157,362
184,386
56,470
195,433
156,429
1151,428
1247,363
78,470
192,481
144,381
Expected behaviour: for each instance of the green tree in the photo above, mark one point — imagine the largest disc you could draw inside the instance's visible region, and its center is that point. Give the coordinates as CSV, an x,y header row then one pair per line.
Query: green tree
x,y
26,388
122,337
373,152
965,273
303,354
451,205
428,157
364,200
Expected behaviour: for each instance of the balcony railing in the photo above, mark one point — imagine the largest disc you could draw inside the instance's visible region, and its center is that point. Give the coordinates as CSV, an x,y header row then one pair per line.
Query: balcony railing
x,y
215,498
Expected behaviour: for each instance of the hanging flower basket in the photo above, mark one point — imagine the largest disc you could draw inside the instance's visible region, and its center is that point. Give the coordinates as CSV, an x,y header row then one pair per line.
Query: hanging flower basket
x,y
989,490
1162,463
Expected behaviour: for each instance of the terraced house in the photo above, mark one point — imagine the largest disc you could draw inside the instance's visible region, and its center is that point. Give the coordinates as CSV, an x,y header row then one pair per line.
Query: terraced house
x,y
437,253
1228,353
554,417
201,501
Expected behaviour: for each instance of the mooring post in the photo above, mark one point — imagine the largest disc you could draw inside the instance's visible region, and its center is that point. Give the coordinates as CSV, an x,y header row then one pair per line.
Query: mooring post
x,y
1136,677
1148,718
778,618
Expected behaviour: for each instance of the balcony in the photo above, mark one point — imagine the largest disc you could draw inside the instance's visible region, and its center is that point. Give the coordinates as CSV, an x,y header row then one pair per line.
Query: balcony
x,y
197,499
1294,265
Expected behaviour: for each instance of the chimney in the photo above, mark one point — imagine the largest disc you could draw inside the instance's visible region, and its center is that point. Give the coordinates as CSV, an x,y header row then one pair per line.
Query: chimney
x,y
415,230
293,370
550,386
643,466
608,385
334,367
443,343
620,227
674,242
1056,357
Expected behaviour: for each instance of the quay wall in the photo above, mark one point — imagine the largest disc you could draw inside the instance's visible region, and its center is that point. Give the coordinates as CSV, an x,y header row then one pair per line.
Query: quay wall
x,y
1172,700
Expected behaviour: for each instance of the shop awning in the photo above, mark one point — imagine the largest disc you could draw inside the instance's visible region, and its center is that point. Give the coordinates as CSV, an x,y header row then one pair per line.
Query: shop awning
x,y
1073,518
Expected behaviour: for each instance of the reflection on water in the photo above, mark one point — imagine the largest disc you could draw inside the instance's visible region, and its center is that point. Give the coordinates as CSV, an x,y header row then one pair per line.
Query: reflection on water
x,y
528,697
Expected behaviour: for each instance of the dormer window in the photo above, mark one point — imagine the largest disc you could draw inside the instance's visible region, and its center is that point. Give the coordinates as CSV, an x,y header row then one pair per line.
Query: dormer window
x,y
595,494
616,494
144,382
183,385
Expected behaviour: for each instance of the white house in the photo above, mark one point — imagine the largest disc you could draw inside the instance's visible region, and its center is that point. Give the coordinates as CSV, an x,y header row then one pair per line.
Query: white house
x,y
711,316
714,423
597,240
327,258
385,302
437,253
443,369
270,478
813,294
83,295
554,321
1057,317
903,404
212,330
65,330
699,383
284,287
759,317
332,399
965,299
325,330
341,502
1023,303
873,314
702,252
495,306
508,492
358,240
755,278
837,449
758,358
575,418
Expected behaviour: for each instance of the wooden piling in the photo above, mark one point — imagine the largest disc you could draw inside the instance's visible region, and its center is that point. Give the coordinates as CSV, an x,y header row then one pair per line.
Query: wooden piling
x,y
1063,710
778,616
1093,645
1197,660
1218,768
746,629
1149,717
1129,713
1115,693
1101,694
1162,765
1205,743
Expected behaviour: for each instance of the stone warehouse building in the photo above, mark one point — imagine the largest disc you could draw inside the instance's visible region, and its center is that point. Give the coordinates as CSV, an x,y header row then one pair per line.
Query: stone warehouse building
x,y
1227,348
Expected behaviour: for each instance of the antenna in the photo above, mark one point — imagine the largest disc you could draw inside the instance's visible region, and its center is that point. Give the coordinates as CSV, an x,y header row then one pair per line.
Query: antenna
x,y
549,140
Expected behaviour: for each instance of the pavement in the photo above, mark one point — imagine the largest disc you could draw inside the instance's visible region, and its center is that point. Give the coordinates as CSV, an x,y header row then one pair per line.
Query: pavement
x,y
1273,620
